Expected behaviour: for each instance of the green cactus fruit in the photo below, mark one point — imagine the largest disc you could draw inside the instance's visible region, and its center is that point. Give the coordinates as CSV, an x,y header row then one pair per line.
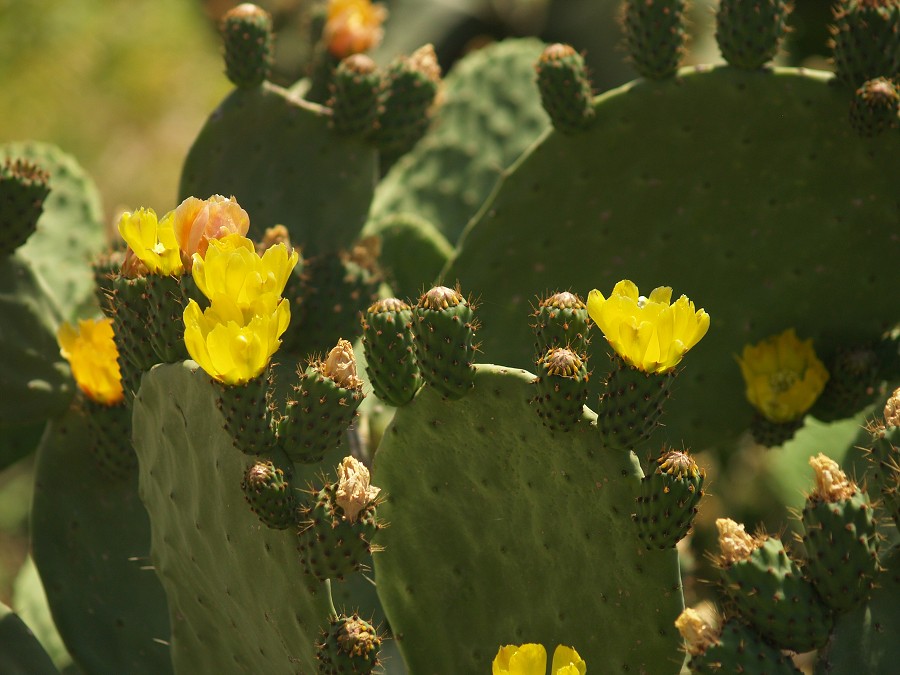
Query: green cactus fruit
x,y
883,472
335,289
769,591
23,188
326,401
733,648
654,36
338,524
853,377
247,34
407,95
631,404
565,88
390,355
355,90
865,40
875,107
771,434
350,646
561,320
245,409
749,32
668,501
111,446
561,388
130,315
105,268
165,297
841,542
268,491
444,328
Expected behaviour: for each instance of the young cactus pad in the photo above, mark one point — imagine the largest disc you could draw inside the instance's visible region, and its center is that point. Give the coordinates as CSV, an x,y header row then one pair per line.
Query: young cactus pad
x,y
720,183
485,505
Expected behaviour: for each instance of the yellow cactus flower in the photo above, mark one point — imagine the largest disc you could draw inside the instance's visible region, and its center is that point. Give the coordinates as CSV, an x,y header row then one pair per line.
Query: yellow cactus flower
x,y
783,376
196,221
152,241
234,344
93,357
353,26
531,659
650,334
232,268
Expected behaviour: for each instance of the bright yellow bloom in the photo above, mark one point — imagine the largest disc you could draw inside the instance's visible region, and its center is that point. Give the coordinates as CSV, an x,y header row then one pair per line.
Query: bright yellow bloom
x,y
650,334
199,220
93,357
232,268
153,241
353,26
783,376
234,344
531,659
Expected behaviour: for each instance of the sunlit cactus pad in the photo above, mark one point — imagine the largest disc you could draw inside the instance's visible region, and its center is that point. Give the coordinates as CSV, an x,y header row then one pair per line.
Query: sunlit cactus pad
x,y
749,192
501,532
238,596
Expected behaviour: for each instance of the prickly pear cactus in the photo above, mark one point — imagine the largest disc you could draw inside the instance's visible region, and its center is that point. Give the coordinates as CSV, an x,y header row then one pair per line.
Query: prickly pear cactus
x,y
716,208
20,652
478,487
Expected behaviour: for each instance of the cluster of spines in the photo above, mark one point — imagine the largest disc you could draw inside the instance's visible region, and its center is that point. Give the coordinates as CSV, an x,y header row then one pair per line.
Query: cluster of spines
x,y
322,407
565,88
875,107
355,96
23,188
389,350
267,489
561,388
444,328
655,36
349,646
331,543
668,503
750,31
247,34
560,320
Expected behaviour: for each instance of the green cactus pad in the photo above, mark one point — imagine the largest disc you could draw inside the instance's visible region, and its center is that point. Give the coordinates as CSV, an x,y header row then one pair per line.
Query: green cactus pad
x,y
483,474
769,591
247,34
330,545
668,501
355,89
275,154
865,43
111,443
658,217
91,545
317,416
749,33
34,377
23,189
841,549
654,36
268,491
739,649
390,357
565,88
207,545
631,405
561,388
350,646
444,328
865,639
561,320
20,652
875,107
70,233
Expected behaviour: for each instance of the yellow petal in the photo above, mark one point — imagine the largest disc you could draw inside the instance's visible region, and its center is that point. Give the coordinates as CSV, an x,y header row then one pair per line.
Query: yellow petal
x,y
627,289
662,294
595,303
566,661
529,659
93,357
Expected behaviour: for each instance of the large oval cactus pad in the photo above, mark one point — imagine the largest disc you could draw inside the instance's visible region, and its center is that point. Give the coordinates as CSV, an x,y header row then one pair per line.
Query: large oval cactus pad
x,y
749,192
501,532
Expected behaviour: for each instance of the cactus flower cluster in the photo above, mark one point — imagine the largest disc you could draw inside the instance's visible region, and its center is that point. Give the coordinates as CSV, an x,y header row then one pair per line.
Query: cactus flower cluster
x,y
91,352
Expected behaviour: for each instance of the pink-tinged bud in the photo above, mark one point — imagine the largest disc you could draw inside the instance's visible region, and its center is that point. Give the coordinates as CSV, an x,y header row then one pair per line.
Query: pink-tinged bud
x,y
199,220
